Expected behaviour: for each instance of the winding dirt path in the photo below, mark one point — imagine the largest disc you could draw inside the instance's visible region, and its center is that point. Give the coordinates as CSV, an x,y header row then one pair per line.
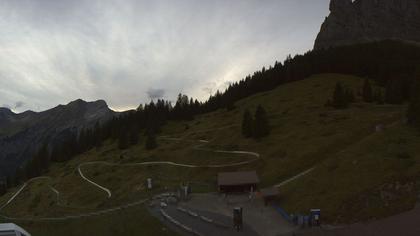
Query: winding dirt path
x,y
69,217
25,185
294,177
255,157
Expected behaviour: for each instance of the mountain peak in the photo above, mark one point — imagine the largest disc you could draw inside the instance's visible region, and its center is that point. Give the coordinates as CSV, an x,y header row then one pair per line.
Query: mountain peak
x,y
5,110
337,5
100,102
77,102
363,21
83,102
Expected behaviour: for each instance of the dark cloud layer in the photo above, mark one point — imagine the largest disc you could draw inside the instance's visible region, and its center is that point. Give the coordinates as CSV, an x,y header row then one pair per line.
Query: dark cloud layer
x,y
56,51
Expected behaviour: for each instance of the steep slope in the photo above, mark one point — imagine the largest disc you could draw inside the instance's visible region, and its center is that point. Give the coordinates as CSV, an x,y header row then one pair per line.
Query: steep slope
x,y
21,134
304,134
361,21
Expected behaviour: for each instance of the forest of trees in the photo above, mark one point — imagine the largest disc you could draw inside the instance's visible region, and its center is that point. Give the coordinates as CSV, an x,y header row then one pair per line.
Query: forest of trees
x,y
388,64
343,96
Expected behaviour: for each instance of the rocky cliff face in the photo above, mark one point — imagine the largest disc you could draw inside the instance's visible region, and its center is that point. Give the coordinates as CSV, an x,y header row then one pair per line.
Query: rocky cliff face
x,y
361,21
21,134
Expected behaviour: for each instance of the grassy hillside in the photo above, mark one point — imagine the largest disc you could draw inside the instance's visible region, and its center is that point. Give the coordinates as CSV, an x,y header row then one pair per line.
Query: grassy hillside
x,y
375,177
351,161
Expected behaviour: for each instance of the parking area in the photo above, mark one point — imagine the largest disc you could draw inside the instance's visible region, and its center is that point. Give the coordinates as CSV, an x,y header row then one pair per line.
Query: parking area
x,y
201,208
264,220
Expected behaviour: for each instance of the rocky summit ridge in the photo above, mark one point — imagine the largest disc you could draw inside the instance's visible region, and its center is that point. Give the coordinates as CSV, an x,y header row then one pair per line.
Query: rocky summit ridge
x,y
362,21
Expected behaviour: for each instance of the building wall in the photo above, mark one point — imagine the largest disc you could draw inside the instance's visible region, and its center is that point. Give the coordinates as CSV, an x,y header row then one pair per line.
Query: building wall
x,y
237,188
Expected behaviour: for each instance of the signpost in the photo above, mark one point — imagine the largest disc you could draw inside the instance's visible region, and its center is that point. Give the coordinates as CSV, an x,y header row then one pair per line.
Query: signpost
x,y
237,218
149,183
315,217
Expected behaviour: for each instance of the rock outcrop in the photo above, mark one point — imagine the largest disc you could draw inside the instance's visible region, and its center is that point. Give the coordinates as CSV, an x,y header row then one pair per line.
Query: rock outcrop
x,y
361,21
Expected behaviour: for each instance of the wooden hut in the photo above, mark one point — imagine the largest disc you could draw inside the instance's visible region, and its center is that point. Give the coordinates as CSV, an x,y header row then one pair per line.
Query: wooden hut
x,y
243,181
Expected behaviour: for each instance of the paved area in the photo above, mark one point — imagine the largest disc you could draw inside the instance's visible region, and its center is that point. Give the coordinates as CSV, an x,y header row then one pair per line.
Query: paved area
x,y
407,224
265,220
222,227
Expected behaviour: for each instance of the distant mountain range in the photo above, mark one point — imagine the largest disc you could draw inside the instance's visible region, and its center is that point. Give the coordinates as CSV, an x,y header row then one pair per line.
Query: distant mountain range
x,y
21,134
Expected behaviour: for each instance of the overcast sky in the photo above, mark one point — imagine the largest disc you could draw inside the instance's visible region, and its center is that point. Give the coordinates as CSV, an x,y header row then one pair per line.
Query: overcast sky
x,y
55,51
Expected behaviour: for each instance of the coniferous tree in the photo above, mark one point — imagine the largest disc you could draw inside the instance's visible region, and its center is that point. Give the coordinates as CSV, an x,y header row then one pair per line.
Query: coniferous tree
x,y
9,181
413,112
378,97
350,96
3,187
261,127
247,124
19,176
339,100
97,135
394,92
123,142
150,141
367,93
134,137
230,105
44,158
389,93
57,153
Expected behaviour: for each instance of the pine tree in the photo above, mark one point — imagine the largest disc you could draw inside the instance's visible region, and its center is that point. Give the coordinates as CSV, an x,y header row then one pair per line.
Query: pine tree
x,y
44,158
349,96
97,135
413,112
3,187
339,97
367,93
261,127
378,97
394,92
134,136
230,105
247,124
123,140
19,175
389,93
150,141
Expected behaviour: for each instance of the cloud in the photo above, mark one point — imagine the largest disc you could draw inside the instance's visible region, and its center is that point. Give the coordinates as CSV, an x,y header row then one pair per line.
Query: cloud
x,y
155,93
19,104
53,52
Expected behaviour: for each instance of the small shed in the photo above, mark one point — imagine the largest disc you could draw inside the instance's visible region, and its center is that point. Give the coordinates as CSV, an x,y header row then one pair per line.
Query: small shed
x,y
269,194
243,181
